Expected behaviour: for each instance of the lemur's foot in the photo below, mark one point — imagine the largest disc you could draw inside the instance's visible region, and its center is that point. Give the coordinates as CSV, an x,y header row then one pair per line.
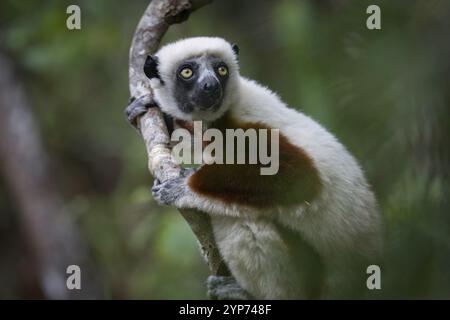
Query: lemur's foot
x,y
225,288
137,107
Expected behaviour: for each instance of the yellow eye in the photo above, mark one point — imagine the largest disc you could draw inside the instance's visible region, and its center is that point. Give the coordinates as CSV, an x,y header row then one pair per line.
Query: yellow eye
x,y
186,73
223,71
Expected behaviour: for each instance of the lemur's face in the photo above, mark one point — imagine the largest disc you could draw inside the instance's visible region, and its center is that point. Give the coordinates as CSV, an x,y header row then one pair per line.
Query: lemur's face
x,y
200,84
195,78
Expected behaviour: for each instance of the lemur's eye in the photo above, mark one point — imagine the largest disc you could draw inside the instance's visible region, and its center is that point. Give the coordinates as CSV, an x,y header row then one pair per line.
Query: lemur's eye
x,y
223,71
186,73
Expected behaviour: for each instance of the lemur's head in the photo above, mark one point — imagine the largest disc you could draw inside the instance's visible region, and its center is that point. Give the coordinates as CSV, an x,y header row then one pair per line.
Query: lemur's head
x,y
194,78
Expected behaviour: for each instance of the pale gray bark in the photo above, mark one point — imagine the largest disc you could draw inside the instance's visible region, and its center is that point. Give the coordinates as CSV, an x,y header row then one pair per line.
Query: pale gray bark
x,y
157,18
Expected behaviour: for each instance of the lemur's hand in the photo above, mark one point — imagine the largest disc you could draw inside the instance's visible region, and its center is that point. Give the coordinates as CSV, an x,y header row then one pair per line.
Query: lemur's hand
x,y
137,107
168,192
172,190
225,288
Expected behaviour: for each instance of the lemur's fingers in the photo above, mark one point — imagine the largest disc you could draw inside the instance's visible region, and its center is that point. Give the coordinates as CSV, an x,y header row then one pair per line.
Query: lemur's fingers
x,y
137,107
225,288
168,192
156,182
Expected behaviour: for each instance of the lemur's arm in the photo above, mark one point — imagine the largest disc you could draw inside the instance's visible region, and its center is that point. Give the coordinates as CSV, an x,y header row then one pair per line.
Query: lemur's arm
x,y
235,189
231,189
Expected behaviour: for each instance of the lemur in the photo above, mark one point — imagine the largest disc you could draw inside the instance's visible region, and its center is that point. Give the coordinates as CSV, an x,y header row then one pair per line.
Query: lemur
x,y
309,231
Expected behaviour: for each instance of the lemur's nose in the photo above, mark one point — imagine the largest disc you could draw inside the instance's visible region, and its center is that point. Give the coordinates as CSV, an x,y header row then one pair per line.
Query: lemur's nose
x,y
210,85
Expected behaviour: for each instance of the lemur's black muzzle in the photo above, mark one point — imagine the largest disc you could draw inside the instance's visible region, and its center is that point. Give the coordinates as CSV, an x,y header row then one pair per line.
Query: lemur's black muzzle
x,y
210,85
209,93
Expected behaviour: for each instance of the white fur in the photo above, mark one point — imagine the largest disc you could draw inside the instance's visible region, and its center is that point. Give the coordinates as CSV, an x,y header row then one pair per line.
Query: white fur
x,y
342,221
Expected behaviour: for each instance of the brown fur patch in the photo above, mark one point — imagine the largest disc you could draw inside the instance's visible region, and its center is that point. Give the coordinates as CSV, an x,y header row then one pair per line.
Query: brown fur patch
x,y
189,126
297,180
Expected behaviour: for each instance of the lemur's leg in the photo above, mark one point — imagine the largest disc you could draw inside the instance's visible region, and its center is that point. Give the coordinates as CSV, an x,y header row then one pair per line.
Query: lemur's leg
x,y
225,288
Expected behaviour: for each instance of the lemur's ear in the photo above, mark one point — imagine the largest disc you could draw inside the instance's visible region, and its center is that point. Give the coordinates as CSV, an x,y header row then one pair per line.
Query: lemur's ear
x,y
235,48
151,67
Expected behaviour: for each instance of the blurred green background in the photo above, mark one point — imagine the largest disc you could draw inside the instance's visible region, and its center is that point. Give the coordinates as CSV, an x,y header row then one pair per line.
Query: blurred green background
x,y
384,93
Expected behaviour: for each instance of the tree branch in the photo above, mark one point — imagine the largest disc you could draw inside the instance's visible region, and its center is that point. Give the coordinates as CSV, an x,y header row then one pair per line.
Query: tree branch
x,y
157,18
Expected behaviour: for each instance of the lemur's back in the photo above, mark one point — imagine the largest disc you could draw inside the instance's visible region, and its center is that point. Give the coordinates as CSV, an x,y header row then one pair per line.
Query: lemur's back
x,y
342,223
